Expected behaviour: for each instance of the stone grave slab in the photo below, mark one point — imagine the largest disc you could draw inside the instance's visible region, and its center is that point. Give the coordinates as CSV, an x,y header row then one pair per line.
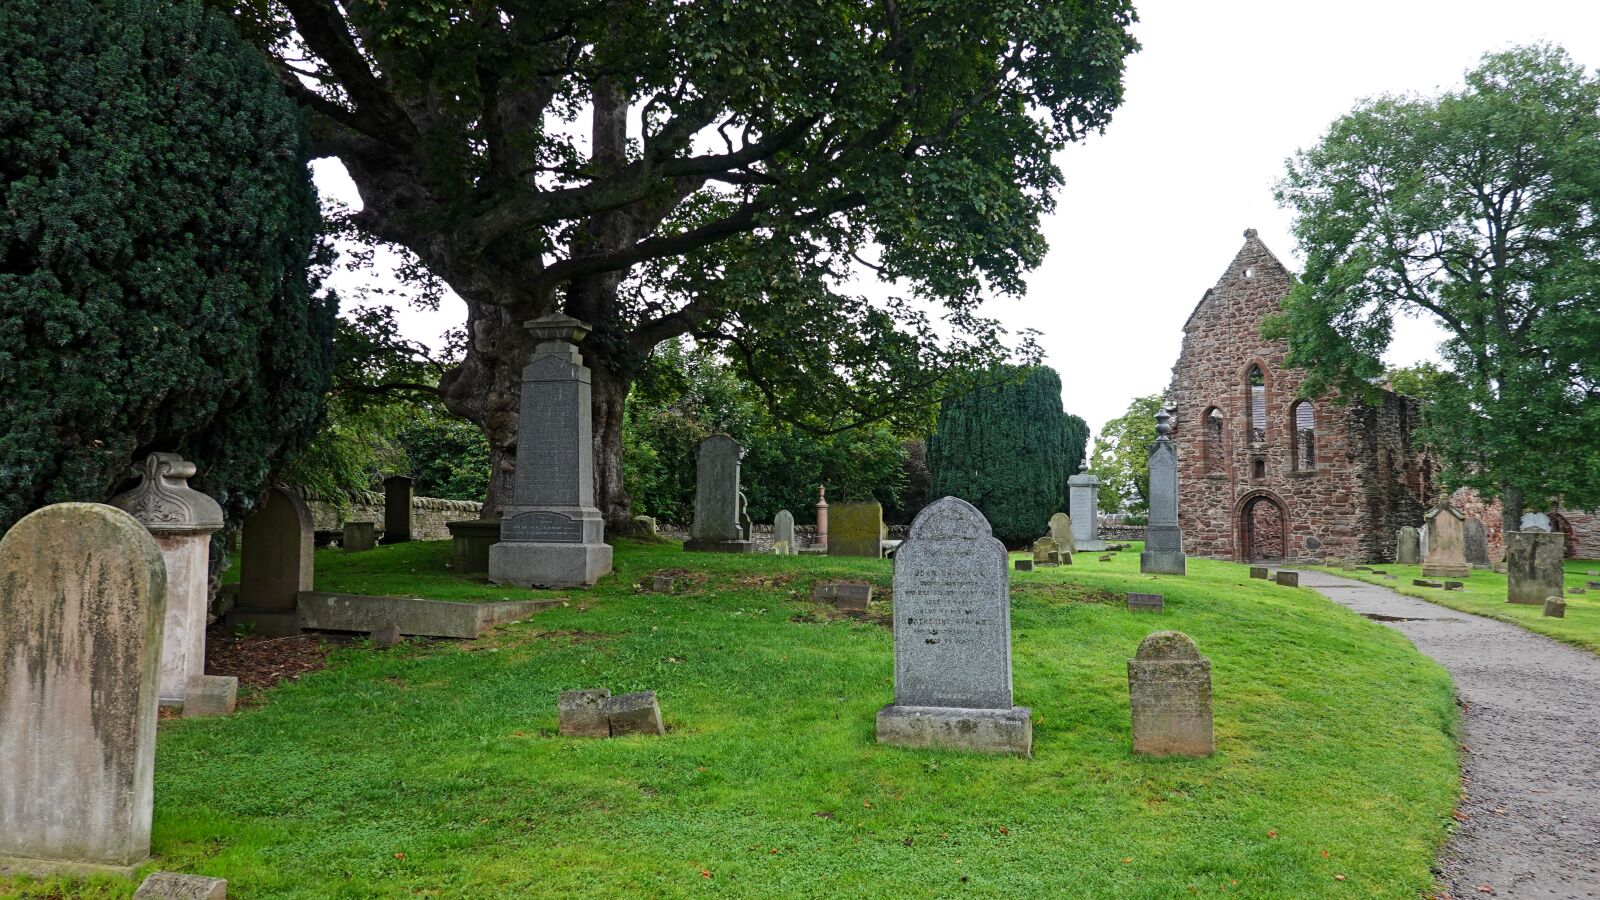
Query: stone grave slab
x,y
1147,602
1555,607
1289,579
211,695
177,886
325,611
582,713
636,713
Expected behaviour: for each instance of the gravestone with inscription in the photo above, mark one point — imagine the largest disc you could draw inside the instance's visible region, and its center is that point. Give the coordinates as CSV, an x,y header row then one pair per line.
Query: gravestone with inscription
x,y
84,596
1447,550
1061,532
552,535
276,563
1045,551
1407,547
1477,541
1083,493
783,533
1535,566
1169,694
718,503
952,638
1163,543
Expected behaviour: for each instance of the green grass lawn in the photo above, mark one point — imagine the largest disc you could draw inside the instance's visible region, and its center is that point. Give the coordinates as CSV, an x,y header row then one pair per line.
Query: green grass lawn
x,y
1485,594
434,769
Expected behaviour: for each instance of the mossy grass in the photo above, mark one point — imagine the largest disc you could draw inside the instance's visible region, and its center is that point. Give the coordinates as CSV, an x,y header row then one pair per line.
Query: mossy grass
x,y
434,769
1484,593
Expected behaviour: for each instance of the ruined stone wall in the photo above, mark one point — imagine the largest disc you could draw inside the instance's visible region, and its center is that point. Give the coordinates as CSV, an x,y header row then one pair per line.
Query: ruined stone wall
x,y
1366,478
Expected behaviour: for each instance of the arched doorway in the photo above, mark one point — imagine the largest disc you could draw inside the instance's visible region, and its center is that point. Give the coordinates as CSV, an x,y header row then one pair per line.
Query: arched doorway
x,y
1263,528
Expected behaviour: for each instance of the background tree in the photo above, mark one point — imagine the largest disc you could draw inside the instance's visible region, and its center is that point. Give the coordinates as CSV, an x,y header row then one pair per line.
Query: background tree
x,y
1122,457
714,169
1008,449
156,280
1480,208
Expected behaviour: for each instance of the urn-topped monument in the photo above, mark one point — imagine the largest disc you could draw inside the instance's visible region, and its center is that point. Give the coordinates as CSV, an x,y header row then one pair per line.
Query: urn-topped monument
x,y
552,535
1163,545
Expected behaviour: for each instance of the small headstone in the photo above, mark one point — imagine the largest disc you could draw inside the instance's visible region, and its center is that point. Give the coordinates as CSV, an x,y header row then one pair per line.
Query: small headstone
x,y
1408,547
661,584
783,533
582,713
1447,546
852,595
1289,579
1258,571
177,886
1535,566
1477,543
952,638
1061,532
646,525
1500,567
385,637
359,536
276,563
1348,565
1024,565
633,714
1453,585
1555,607
1148,602
1363,568
211,695
80,652
856,529
1592,572
1042,550
1592,584
1104,557
1169,695
398,497
470,540
1576,591
1378,571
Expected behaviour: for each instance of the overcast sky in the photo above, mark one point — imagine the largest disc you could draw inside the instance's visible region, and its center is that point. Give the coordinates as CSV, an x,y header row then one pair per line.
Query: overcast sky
x,y
1220,96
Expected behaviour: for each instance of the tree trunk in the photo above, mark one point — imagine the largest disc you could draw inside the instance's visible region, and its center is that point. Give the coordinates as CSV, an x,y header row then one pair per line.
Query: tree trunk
x,y
487,389
609,391
1511,506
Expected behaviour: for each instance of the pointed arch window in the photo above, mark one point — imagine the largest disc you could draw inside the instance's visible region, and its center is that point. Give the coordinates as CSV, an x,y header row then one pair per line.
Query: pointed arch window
x,y
1257,384
1305,435
1213,440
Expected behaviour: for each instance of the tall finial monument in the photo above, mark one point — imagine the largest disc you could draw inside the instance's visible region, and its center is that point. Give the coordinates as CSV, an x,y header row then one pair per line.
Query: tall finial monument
x,y
1163,542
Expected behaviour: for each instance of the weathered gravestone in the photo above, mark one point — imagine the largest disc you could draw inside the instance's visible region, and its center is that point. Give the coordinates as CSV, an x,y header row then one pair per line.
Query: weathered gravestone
x,y
952,638
178,886
276,563
551,534
1289,579
399,494
1169,695
636,713
1536,521
843,594
1147,602
1477,543
1535,566
1422,541
470,540
1083,502
1024,565
182,520
717,527
1061,532
1163,544
1446,543
359,536
1555,607
783,533
1408,547
1258,571
1045,551
83,589
856,529
581,713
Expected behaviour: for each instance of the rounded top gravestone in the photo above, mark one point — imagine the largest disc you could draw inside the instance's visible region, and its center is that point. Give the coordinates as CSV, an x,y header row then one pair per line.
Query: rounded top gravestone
x,y
1168,645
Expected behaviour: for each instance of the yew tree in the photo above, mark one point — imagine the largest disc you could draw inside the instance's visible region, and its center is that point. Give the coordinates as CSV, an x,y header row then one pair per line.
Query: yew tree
x,y
723,170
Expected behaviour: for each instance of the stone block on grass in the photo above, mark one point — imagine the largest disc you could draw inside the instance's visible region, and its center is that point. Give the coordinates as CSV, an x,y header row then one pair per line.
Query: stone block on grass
x,y
1258,572
1555,607
1024,565
1453,585
1289,579
385,636
1147,602
211,695
1424,582
633,714
360,536
661,584
582,713
178,886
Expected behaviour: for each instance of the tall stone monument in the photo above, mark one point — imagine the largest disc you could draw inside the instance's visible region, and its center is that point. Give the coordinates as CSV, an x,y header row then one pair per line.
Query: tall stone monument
x,y
1061,532
1169,695
856,529
276,563
1407,547
182,520
1163,543
1447,550
1083,491
822,518
1535,566
83,589
718,505
398,493
552,535
783,533
952,638
1477,541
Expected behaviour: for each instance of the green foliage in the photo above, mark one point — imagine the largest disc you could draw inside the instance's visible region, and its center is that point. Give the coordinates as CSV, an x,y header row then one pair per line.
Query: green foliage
x,y
156,289
1122,457
686,395
1008,448
1481,209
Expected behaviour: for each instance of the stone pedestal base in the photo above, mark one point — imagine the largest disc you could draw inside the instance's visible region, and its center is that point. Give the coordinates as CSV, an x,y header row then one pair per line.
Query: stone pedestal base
x,y
1163,562
699,545
44,868
263,622
535,564
1445,570
984,730
470,541
1090,546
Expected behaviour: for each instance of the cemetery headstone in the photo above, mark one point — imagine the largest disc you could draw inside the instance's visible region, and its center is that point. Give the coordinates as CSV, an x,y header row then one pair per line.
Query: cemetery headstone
x,y
1289,579
633,714
856,529
1163,543
1169,695
1083,504
952,638
717,500
398,494
1477,543
1408,547
178,886
470,540
1043,550
1555,607
551,534
1592,584
80,650
856,595
580,713
1147,602
181,520
359,536
1061,532
211,695
276,563
783,533
1446,556
1024,565
1536,521
1258,571
1425,582
1577,591
1535,566
646,525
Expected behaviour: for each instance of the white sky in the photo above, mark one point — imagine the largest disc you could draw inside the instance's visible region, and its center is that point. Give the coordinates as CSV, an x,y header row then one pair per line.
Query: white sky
x,y
1153,210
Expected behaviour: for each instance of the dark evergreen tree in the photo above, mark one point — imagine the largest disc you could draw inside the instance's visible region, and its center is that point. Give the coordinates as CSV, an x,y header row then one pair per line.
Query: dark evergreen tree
x,y
158,277
1008,449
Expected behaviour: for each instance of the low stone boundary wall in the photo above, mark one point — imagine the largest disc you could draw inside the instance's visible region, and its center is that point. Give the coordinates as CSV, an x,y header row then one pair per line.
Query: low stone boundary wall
x,y
428,514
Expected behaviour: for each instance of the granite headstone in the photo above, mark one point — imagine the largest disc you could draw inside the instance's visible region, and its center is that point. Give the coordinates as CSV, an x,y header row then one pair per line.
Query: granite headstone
x,y
1083,493
1477,543
717,526
1163,547
1535,566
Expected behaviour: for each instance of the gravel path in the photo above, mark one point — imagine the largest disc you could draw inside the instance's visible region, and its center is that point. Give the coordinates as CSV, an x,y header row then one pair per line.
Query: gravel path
x,y
1531,729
